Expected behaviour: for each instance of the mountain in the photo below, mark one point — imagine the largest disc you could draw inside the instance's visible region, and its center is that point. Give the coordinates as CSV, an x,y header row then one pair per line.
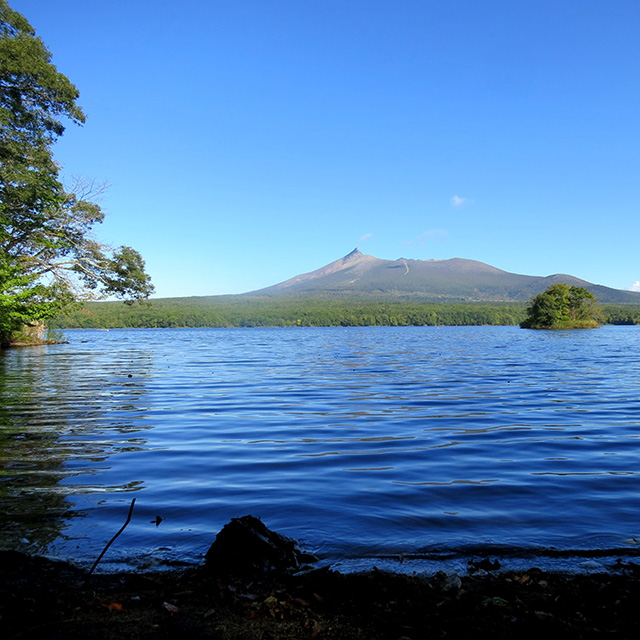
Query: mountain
x,y
456,279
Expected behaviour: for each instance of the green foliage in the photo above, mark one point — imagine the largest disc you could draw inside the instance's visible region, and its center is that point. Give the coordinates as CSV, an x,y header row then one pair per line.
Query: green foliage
x,y
245,311
622,314
48,256
563,307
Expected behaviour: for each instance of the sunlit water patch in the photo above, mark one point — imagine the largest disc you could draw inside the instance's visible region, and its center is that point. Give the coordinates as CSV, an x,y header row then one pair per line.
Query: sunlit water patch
x,y
368,445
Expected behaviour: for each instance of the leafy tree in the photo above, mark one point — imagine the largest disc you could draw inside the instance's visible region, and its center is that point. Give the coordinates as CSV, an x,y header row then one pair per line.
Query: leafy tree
x,y
563,307
48,255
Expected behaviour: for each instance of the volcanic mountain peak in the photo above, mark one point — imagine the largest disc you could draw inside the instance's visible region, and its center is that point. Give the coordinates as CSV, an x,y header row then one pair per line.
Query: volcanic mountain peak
x,y
350,260
354,255
455,279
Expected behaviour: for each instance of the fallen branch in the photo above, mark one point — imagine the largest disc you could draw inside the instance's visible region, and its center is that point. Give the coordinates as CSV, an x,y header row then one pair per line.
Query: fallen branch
x,y
95,564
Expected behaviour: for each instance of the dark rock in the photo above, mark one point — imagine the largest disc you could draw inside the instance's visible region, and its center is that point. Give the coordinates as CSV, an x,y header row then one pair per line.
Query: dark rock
x,y
245,546
483,565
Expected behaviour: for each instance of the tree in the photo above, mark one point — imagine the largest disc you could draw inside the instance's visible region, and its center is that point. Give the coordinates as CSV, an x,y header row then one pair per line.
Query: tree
x,y
563,307
48,255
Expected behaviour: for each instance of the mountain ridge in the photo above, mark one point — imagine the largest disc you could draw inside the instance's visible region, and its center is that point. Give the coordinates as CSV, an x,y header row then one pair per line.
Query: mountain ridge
x,y
454,279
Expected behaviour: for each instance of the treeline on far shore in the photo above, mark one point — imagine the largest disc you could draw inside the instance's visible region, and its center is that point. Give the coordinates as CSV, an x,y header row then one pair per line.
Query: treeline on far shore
x,y
268,312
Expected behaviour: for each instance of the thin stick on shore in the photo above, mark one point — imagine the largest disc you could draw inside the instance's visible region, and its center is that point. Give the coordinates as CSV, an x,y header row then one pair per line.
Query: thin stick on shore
x,y
95,564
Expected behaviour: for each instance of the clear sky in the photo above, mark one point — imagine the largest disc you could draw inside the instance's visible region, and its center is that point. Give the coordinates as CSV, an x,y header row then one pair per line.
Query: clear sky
x,y
248,141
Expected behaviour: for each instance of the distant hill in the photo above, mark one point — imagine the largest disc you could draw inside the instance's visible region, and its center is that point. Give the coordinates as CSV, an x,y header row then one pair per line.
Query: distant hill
x,y
360,290
358,275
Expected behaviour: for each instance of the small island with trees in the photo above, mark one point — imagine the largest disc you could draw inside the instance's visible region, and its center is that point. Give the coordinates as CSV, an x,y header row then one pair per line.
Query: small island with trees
x,y
564,307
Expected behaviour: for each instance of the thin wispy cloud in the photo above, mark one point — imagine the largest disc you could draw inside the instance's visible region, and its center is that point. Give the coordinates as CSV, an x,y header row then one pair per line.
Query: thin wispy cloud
x,y
432,236
366,237
635,286
457,201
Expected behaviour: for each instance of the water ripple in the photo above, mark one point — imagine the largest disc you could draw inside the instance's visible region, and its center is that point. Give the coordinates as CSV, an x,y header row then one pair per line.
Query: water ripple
x,y
362,443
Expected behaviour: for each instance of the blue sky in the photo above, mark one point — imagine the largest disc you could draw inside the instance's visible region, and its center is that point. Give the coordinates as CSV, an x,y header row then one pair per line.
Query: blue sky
x,y
247,141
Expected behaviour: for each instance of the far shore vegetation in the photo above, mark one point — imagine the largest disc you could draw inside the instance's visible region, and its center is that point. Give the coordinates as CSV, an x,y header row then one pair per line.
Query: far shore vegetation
x,y
228,311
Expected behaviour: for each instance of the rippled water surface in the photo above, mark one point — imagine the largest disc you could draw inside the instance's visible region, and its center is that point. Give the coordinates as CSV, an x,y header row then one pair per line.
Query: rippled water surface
x,y
364,444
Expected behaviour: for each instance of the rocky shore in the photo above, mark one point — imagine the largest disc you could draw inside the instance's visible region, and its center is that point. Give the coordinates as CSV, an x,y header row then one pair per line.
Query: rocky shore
x,y
263,599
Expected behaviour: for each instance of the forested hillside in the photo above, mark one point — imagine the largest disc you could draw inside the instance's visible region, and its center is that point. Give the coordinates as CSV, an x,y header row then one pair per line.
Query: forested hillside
x,y
243,312
231,311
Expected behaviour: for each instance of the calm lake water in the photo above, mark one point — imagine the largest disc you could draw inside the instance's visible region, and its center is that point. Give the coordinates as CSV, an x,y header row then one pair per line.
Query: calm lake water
x,y
368,445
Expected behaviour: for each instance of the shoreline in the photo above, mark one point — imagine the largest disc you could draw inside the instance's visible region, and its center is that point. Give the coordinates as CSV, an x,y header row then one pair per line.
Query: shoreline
x,y
569,561
43,598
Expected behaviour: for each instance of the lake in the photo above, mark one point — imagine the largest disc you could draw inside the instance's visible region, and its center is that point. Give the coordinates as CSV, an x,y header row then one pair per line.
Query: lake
x,y
409,448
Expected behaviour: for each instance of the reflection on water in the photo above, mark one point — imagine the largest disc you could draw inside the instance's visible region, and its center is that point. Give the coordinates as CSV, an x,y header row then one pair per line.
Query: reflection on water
x,y
31,511
364,443
53,429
